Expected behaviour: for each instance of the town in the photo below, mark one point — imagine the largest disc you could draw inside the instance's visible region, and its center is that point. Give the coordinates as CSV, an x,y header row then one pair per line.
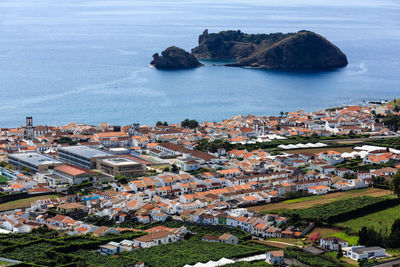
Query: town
x,y
273,190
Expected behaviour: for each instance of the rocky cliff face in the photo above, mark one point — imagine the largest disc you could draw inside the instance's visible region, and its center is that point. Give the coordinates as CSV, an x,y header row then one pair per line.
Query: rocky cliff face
x,y
301,50
175,58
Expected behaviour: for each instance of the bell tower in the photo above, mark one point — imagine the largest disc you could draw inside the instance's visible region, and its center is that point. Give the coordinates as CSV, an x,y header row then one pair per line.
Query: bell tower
x,y
132,132
29,128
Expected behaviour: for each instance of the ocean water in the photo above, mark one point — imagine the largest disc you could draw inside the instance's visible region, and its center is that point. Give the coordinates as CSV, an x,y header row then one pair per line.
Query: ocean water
x,y
88,60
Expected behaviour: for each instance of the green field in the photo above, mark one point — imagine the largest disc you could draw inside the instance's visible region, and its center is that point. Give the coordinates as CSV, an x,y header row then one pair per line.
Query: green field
x,y
353,239
380,221
3,179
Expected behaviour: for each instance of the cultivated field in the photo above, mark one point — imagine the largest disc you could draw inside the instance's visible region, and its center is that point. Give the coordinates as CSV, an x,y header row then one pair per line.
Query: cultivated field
x,y
307,202
23,203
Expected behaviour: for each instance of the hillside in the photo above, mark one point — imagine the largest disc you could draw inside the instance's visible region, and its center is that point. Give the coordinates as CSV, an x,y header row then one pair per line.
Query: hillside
x,y
299,51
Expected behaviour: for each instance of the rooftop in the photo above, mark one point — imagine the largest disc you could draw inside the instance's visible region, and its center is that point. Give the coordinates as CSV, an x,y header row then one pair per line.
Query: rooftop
x,y
119,161
34,158
85,151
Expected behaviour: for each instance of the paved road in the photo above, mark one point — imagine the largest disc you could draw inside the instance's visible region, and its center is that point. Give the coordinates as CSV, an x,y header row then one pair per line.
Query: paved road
x,y
391,263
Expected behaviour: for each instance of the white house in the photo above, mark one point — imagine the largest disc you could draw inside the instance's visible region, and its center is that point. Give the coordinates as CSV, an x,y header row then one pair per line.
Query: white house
x,y
22,228
319,189
228,239
333,243
275,257
190,165
155,239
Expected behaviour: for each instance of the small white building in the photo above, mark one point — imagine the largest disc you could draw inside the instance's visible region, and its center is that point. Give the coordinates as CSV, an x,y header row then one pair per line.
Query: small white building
x,y
228,239
275,257
190,165
110,248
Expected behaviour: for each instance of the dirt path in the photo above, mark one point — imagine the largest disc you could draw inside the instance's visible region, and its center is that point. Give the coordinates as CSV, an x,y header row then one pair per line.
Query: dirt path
x,y
277,244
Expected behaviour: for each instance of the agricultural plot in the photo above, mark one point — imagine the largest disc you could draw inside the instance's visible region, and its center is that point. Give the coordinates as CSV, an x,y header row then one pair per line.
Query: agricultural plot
x,y
174,254
316,200
47,248
337,210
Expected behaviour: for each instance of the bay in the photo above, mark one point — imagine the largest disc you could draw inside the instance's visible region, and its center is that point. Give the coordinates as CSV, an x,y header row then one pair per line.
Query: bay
x,y
87,61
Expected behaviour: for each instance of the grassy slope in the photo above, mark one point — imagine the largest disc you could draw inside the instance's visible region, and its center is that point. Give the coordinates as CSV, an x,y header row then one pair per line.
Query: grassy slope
x,y
22,203
381,220
353,239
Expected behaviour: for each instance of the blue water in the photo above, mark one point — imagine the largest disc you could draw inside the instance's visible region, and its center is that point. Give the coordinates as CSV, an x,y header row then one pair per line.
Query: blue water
x,y
88,60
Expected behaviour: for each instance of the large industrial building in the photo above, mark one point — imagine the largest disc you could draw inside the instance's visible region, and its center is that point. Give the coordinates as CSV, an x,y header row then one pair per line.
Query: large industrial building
x,y
34,161
82,156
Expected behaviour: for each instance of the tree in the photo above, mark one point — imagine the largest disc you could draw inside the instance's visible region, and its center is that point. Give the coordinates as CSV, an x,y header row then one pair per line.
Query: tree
x,y
175,168
166,169
165,123
362,262
348,176
159,123
315,237
394,238
392,122
121,179
369,237
191,124
394,185
379,180
340,253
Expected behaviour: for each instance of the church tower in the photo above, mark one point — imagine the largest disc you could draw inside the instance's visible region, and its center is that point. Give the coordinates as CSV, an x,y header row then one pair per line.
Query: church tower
x,y
29,128
132,132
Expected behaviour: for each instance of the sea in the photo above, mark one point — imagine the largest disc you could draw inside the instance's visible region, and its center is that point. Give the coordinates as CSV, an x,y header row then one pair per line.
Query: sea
x,y
87,61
